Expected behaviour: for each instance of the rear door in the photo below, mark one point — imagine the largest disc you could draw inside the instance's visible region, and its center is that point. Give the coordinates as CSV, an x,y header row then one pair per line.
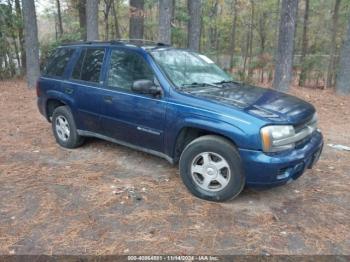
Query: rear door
x,y
134,118
55,72
86,80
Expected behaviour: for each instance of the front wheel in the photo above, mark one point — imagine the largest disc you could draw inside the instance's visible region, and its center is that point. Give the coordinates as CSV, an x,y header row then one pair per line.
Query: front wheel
x,y
211,168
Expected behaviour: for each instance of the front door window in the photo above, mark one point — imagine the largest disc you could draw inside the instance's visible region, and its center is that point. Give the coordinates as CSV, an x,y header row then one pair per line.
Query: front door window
x,y
125,68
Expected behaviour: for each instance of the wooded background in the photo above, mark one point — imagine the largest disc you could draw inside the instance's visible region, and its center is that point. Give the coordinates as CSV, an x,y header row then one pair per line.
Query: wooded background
x,y
269,42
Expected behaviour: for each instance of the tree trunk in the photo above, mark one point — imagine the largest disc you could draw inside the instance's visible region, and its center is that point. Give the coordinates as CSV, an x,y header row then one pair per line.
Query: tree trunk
x,y
284,63
81,6
15,46
343,77
246,55
251,26
56,30
201,33
295,45
136,27
305,41
92,20
12,66
278,17
60,25
333,48
262,34
115,17
216,39
212,25
233,32
17,52
31,42
165,14
21,36
108,4
6,63
194,24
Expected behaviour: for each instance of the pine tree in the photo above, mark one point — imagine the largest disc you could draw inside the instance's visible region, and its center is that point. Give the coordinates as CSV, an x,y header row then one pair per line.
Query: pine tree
x,y
165,15
92,20
194,24
284,61
31,42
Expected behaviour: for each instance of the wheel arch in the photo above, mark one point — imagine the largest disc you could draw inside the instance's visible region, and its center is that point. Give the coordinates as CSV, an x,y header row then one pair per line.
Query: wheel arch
x,y
51,105
54,100
188,133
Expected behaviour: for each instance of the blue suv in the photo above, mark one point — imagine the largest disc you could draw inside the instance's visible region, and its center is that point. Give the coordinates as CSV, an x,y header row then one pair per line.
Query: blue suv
x,y
179,105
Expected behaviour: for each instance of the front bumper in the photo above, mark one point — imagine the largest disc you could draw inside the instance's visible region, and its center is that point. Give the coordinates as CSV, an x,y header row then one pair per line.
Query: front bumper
x,y
263,170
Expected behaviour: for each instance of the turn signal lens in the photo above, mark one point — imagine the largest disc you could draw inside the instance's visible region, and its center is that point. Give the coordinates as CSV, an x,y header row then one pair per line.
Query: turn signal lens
x,y
266,140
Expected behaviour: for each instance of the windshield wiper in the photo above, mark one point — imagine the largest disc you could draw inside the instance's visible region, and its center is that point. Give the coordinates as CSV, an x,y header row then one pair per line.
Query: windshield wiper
x,y
196,84
225,82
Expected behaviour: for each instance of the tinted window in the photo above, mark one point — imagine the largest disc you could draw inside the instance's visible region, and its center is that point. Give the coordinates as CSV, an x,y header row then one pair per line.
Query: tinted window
x,y
77,68
89,65
58,62
125,68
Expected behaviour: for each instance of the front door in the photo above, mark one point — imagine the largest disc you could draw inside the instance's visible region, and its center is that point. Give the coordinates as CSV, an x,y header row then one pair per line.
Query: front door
x,y
134,118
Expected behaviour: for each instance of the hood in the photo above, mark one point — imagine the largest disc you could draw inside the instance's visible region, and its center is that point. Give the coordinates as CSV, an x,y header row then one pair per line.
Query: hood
x,y
262,102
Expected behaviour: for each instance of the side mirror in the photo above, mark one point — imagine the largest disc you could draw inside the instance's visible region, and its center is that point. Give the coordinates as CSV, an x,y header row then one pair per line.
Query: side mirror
x,y
145,86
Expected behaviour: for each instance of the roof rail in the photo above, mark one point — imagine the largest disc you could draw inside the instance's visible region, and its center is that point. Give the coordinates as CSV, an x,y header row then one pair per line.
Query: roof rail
x,y
87,42
141,42
136,42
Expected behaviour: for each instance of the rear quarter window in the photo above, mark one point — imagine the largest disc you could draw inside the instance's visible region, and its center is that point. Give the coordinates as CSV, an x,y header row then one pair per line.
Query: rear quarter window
x,y
58,62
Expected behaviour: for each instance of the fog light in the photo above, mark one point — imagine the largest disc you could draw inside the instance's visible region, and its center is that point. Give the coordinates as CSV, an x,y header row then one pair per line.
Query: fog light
x,y
284,173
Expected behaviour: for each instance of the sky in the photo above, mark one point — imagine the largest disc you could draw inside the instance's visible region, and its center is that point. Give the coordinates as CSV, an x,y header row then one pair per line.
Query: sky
x,y
40,5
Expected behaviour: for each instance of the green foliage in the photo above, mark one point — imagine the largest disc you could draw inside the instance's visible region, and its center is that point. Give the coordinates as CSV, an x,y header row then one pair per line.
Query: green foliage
x,y
314,67
9,23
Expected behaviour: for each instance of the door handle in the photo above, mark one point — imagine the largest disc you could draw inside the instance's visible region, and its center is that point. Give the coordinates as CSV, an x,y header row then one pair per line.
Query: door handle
x,y
68,90
108,99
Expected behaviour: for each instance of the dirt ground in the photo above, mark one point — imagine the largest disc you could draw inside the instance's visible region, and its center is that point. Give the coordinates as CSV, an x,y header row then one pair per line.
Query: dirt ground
x,y
107,199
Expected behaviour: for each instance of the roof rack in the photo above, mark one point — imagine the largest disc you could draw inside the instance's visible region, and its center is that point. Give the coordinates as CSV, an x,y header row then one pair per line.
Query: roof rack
x,y
135,42
85,42
141,42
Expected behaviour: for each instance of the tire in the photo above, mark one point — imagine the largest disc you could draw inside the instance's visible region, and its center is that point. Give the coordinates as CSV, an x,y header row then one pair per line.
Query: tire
x,y
62,120
217,161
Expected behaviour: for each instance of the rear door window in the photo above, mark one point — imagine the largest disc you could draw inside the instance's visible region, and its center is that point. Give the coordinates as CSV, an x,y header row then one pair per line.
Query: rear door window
x,y
58,62
89,65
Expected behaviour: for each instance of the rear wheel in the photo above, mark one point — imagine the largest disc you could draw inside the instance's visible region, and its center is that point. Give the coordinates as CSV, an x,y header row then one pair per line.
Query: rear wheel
x,y
211,168
64,128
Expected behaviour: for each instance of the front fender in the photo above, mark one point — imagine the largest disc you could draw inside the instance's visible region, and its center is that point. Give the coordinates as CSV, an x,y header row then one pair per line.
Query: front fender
x,y
241,138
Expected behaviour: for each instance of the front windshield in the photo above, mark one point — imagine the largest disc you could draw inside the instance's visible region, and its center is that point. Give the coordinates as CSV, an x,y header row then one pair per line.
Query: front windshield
x,y
187,68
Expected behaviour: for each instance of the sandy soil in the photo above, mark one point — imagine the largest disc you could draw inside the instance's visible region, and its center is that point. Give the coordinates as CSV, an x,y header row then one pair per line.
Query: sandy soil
x,y
107,199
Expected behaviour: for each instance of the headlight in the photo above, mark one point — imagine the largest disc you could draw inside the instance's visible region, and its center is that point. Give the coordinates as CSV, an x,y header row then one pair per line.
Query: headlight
x,y
277,138
313,123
